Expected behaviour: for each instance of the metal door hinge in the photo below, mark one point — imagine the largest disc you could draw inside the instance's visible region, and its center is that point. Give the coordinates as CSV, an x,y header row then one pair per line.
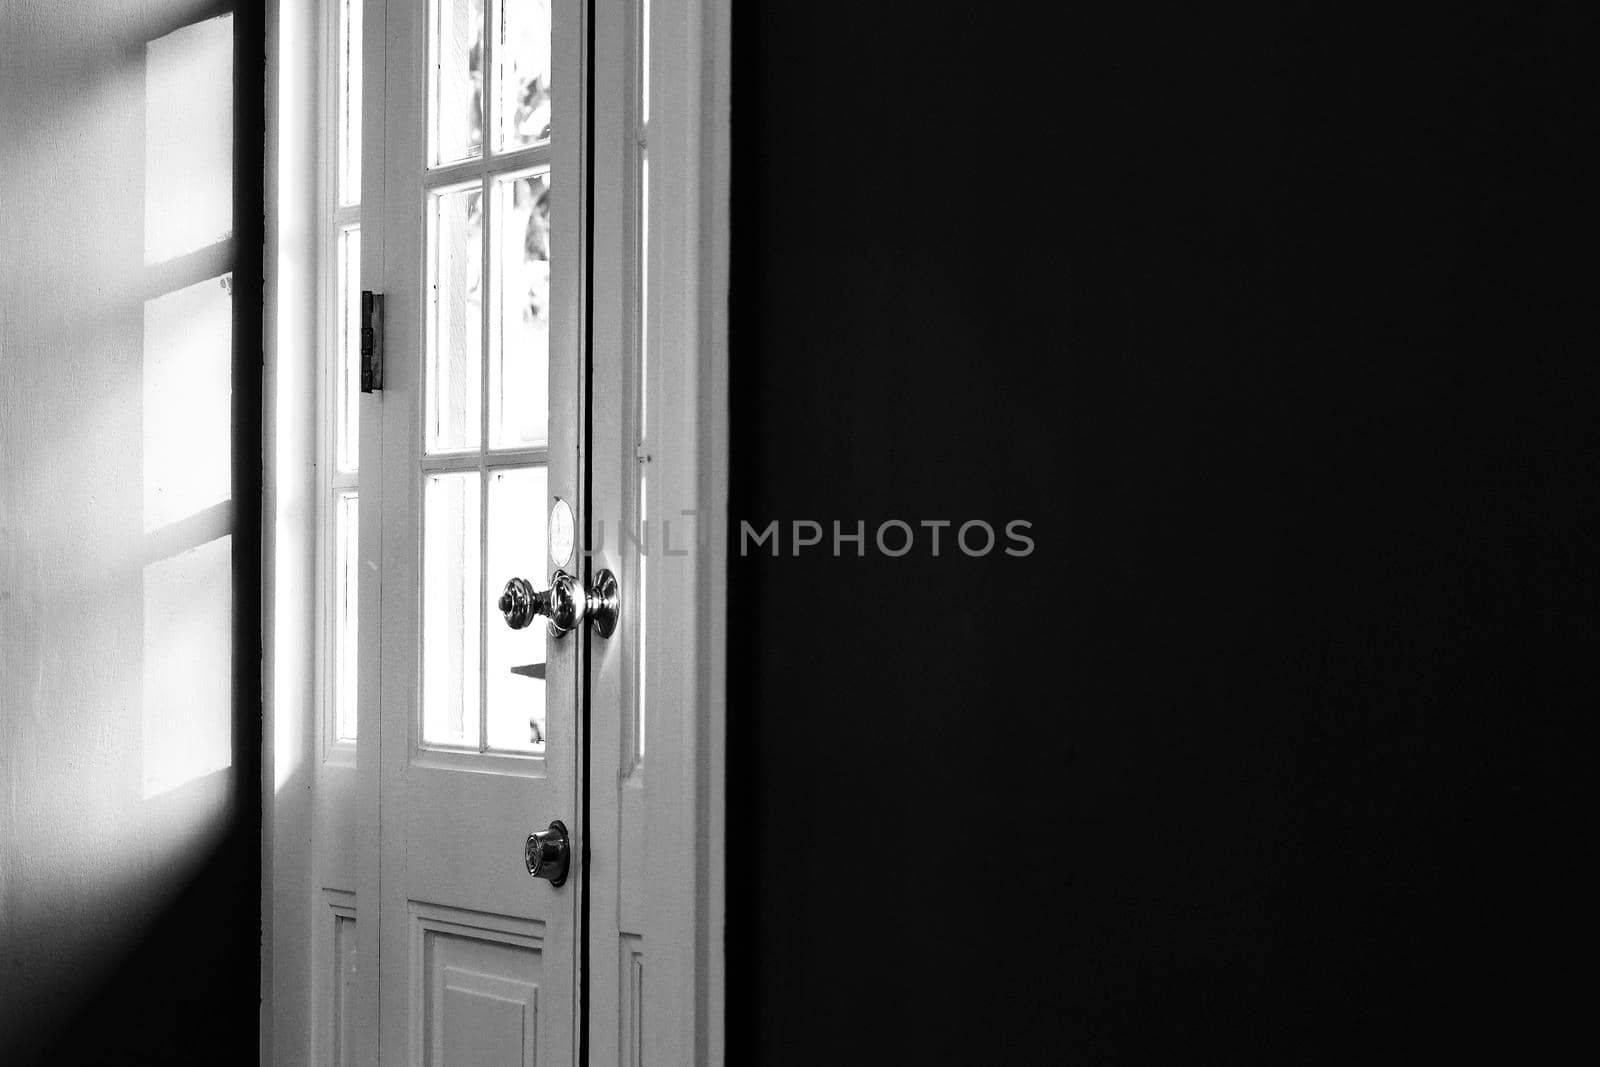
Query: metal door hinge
x,y
371,341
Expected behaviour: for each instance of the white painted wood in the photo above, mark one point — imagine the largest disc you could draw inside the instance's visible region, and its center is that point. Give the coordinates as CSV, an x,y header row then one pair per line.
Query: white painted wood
x,y
688,385
289,508
334,977
310,789
442,832
715,77
617,946
475,984
336,1004
660,450
364,832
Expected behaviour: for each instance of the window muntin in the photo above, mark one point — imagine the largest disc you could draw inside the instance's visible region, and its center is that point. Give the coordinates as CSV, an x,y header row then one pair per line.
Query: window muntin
x,y
339,424
485,341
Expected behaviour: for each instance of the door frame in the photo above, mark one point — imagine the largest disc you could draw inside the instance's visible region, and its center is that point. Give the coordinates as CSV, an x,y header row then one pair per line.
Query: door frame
x,y
690,86
687,328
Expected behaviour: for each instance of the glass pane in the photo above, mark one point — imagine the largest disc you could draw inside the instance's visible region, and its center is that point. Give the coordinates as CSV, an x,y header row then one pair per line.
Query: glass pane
x,y
347,425
519,374
522,62
515,676
455,319
455,57
345,552
350,102
452,589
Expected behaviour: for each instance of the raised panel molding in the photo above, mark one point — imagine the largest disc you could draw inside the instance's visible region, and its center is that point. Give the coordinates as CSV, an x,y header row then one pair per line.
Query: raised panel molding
x,y
483,1019
335,986
475,987
632,1000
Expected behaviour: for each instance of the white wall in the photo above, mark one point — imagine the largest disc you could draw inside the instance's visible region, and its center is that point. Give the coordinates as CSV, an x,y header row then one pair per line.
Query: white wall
x,y
121,734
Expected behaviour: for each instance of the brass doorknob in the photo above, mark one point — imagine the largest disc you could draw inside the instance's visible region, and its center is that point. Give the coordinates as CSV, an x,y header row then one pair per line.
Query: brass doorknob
x,y
548,853
565,603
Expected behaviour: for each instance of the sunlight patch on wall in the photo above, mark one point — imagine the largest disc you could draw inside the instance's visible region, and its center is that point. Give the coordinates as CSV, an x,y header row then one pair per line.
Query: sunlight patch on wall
x,y
188,666
188,398
188,146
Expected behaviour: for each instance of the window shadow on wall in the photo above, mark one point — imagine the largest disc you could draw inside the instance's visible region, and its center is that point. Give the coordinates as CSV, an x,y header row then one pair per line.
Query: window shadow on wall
x,y
130,909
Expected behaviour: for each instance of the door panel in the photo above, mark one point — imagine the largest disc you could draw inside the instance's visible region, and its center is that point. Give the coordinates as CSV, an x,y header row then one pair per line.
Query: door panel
x,y
475,434
475,988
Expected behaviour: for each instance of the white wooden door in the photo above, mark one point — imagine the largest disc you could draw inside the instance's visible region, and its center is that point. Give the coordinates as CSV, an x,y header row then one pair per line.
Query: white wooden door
x,y
518,208
474,205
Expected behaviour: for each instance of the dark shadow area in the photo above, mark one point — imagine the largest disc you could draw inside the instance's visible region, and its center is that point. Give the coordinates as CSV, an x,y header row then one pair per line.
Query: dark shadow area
x,y
184,993
1272,322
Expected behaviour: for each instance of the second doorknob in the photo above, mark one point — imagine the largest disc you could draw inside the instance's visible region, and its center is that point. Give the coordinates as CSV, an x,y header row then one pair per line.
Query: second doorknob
x,y
565,604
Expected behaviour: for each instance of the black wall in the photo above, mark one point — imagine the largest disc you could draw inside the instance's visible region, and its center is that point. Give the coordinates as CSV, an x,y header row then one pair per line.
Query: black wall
x,y
1272,323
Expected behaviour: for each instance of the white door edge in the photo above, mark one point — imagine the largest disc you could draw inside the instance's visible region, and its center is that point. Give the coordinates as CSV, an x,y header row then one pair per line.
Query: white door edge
x,y
688,385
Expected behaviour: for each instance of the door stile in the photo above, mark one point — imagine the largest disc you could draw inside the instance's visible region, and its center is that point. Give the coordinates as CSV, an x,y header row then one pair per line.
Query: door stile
x,y
366,1005
686,386
397,410
613,521
568,447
